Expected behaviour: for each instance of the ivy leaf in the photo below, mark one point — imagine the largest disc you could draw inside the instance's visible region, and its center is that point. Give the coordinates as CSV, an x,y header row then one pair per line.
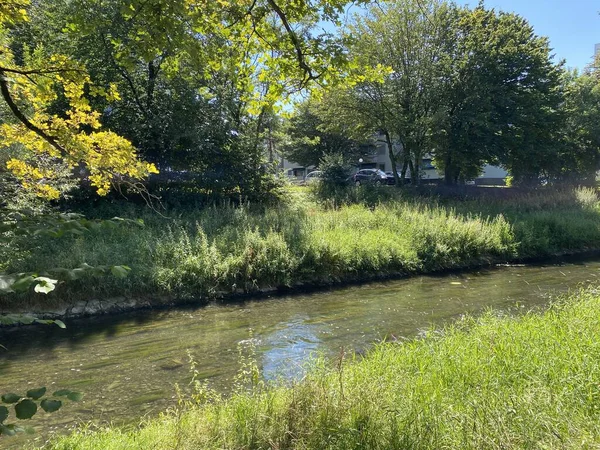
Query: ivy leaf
x,y
36,393
50,406
25,409
75,396
11,398
3,413
25,320
22,284
120,271
45,285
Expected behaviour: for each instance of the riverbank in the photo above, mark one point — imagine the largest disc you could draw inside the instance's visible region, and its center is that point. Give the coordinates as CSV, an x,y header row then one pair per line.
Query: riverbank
x,y
492,382
226,252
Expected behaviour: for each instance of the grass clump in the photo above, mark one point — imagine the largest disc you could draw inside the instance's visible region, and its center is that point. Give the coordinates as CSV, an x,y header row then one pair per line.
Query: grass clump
x,y
492,382
215,251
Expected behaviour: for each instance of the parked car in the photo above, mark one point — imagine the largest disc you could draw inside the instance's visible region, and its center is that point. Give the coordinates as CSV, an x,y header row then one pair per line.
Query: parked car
x,y
313,176
374,176
390,178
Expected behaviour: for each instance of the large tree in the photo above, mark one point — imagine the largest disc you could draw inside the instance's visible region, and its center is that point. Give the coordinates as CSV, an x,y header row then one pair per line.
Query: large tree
x,y
579,155
406,37
471,86
32,82
501,97
308,137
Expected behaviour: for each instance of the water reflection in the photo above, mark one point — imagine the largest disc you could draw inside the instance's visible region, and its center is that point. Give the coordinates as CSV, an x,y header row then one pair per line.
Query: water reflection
x,y
286,350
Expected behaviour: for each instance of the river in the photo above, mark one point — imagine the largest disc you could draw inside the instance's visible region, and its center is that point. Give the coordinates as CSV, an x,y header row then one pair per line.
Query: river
x,y
126,366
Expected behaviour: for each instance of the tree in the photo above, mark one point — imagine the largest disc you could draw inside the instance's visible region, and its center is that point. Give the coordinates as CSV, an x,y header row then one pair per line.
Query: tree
x,y
197,80
309,138
579,157
219,60
406,39
526,97
471,86
501,95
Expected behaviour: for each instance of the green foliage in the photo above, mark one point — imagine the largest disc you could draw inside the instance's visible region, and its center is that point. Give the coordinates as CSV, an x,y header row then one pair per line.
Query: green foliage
x,y
199,84
308,140
19,228
24,319
501,99
407,38
215,251
336,189
336,168
468,85
50,405
25,407
579,156
35,394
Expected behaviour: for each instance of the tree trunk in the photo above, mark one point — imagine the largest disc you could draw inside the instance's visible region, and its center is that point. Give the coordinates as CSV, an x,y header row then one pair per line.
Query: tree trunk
x,y
449,178
152,74
403,172
154,127
390,146
406,162
416,170
413,172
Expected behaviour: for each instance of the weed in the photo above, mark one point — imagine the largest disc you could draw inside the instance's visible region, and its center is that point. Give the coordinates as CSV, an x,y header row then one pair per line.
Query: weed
x,y
226,249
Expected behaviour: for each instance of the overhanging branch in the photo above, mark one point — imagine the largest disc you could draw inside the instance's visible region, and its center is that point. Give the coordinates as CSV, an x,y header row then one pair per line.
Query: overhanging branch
x,y
23,118
310,75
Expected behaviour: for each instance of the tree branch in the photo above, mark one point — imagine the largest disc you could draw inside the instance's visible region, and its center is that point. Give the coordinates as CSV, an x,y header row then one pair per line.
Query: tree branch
x,y
310,75
37,71
24,120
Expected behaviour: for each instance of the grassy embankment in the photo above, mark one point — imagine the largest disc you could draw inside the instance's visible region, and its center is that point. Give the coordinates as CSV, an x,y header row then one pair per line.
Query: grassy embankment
x,y
211,251
494,383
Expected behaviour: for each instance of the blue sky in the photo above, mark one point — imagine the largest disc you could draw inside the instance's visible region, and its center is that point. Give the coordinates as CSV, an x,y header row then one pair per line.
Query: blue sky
x,y
572,26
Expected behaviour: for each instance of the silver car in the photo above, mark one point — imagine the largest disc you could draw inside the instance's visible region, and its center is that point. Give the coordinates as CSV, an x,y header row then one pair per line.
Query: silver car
x,y
313,176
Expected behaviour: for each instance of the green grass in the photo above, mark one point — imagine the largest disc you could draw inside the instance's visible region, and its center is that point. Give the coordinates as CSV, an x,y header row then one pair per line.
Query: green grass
x,y
487,383
214,251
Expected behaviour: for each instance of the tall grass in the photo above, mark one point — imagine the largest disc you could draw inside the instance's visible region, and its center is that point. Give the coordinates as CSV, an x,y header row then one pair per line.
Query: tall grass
x,y
493,383
226,249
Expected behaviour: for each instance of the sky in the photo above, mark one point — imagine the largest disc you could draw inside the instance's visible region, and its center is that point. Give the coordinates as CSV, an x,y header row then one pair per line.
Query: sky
x,y
573,27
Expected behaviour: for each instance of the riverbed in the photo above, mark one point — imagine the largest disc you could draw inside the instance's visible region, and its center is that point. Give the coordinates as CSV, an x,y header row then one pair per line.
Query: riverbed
x,y
127,366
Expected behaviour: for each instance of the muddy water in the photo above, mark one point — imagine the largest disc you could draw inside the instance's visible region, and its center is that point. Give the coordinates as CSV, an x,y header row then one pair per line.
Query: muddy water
x,y
127,366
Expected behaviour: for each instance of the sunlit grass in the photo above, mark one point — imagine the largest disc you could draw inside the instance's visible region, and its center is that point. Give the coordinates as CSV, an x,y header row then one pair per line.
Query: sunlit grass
x,y
203,253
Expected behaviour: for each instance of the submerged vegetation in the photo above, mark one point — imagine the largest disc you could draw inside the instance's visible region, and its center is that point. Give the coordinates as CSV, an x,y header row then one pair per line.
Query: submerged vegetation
x,y
210,252
492,382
